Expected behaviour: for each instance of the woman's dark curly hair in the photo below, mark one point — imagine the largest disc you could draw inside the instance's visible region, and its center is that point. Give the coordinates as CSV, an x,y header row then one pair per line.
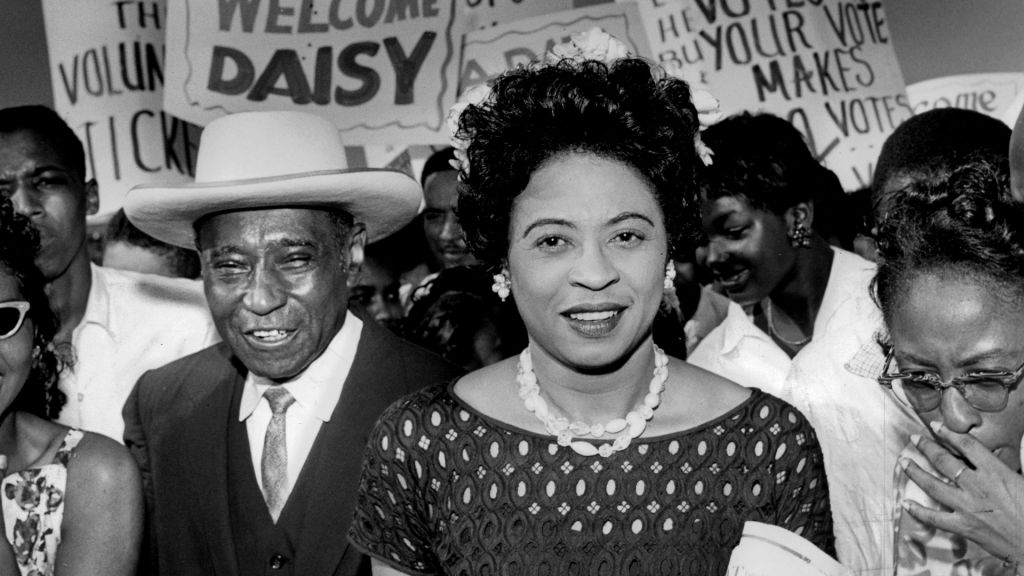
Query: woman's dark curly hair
x,y
965,224
763,159
630,112
18,245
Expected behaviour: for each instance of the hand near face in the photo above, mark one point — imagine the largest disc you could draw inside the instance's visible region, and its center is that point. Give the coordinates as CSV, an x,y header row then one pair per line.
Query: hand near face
x,y
986,499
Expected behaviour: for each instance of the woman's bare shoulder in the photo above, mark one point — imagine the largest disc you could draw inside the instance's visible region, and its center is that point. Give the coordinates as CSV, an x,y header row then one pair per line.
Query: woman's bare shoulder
x,y
694,396
479,387
99,463
719,387
493,392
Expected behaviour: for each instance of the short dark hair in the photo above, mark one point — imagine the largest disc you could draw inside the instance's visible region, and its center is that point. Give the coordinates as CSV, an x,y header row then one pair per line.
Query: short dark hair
x,y
931,144
764,160
49,126
965,224
19,243
630,112
184,262
439,161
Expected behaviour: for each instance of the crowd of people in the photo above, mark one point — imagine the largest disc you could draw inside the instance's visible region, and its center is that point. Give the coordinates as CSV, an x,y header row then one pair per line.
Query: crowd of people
x,y
600,334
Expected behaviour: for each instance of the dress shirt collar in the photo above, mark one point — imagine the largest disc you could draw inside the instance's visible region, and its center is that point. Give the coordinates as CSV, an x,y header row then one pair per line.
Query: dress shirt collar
x,y
97,307
847,271
737,326
318,388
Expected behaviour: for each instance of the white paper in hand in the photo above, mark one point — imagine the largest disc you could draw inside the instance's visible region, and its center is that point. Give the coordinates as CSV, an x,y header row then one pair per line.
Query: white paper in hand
x,y
767,550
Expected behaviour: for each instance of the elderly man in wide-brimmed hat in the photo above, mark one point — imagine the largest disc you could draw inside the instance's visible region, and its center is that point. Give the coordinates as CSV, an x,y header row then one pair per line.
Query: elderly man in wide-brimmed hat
x,y
250,450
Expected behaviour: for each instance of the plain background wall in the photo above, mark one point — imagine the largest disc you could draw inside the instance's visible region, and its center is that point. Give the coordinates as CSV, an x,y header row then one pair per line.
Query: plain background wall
x,y
932,38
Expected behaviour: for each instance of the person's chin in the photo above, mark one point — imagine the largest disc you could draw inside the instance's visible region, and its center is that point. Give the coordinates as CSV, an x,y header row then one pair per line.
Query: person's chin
x,y
281,371
51,265
598,345
744,296
276,363
453,259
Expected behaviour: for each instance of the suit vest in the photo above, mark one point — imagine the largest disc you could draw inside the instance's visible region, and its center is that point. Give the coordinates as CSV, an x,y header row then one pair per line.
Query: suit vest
x,y
262,547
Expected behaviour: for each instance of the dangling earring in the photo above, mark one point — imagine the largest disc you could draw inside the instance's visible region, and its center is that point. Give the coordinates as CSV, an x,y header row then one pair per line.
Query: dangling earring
x,y
36,351
502,285
670,300
670,275
799,237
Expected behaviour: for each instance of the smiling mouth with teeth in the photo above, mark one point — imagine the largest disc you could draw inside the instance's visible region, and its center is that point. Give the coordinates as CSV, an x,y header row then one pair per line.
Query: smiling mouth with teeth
x,y
733,278
593,316
269,335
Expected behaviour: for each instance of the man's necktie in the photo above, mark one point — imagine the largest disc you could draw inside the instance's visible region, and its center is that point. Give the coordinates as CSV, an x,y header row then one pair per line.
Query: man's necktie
x,y
274,468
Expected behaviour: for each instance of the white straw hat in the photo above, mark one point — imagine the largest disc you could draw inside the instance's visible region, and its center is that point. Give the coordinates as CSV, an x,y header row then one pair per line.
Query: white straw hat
x,y
255,160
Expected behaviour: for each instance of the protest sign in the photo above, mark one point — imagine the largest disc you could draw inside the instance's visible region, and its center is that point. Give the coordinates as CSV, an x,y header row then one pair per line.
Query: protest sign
x,y
475,14
379,69
107,70
491,51
828,66
991,94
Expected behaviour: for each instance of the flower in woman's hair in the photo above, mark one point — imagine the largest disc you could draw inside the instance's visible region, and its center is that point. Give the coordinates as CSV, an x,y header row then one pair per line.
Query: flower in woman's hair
x,y
708,107
703,150
474,95
593,44
708,111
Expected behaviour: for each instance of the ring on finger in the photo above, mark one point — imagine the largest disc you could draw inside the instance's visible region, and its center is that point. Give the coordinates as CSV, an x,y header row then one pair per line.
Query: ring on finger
x,y
956,477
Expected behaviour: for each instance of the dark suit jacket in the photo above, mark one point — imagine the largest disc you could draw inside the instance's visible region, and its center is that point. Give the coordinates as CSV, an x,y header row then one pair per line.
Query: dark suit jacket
x,y
176,423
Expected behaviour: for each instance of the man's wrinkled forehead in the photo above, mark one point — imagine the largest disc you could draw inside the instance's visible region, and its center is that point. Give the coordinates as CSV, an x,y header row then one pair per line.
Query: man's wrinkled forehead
x,y
280,225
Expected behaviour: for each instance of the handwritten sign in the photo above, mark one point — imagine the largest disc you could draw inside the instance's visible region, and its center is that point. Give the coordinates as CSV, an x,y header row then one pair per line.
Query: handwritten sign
x,y
991,94
379,69
828,66
107,70
475,14
491,51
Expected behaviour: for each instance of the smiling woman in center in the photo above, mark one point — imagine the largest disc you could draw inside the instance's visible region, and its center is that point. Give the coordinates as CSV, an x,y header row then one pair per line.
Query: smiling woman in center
x,y
593,451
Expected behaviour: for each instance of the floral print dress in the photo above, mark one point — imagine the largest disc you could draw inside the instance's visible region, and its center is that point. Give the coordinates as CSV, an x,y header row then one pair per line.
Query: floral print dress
x,y
33,508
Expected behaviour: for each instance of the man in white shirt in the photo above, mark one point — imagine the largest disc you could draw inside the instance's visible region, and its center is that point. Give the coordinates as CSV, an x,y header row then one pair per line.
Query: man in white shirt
x,y
118,324
250,450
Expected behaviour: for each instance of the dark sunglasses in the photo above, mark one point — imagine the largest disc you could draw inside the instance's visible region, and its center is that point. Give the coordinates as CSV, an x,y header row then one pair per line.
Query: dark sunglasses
x,y
12,315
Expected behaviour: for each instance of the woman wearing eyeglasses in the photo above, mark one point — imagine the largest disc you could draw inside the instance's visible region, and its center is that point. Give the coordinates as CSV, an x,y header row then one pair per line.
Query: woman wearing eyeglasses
x,y
951,287
71,502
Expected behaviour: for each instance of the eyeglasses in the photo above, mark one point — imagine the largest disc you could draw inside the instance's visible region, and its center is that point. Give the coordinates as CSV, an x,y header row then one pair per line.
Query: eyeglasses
x,y
12,315
985,390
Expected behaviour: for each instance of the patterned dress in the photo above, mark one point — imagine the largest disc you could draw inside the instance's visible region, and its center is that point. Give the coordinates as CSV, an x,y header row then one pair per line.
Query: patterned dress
x,y
447,490
33,506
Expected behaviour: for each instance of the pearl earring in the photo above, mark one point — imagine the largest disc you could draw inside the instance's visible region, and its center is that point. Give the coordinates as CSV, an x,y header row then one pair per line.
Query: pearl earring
x,y
670,275
502,285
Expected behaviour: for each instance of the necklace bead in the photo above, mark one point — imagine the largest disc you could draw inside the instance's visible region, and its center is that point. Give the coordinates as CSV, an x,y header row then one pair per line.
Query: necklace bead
x,y
625,429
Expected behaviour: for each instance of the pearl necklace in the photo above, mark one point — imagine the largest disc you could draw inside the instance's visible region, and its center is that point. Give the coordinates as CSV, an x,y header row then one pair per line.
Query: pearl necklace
x,y
629,427
771,328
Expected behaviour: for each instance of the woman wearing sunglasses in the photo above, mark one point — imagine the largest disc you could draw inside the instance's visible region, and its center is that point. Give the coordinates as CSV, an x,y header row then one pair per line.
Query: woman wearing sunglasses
x,y
951,287
71,502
